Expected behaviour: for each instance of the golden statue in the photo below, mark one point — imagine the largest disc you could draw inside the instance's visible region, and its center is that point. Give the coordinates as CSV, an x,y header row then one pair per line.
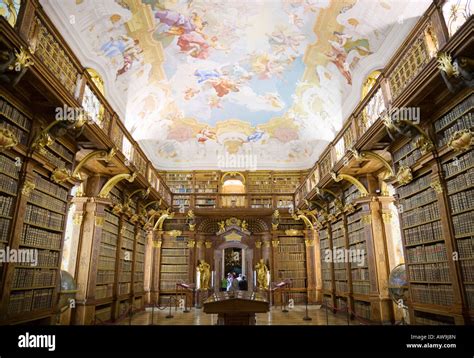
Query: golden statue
x,y
205,273
244,225
262,273
221,226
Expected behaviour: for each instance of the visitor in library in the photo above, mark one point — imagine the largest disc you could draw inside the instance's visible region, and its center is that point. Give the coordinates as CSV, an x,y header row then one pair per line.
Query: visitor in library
x,y
243,284
224,284
230,278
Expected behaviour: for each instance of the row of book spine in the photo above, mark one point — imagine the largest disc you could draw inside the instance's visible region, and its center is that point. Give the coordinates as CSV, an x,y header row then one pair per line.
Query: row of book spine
x,y
460,182
430,253
105,276
432,294
404,151
436,272
421,215
9,166
455,113
33,236
26,278
53,189
287,240
291,248
176,260
462,201
362,309
107,250
61,149
6,205
416,185
14,114
464,224
464,122
18,132
103,291
44,200
56,160
424,233
417,200
4,226
360,274
284,256
174,268
466,248
8,185
43,217
459,164
467,268
27,301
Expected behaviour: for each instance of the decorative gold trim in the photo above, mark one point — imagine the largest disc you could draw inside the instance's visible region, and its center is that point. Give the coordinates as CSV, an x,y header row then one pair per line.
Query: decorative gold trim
x,y
404,175
445,64
266,244
28,186
349,208
309,242
387,217
436,185
7,139
157,244
174,233
99,221
106,155
166,214
367,154
258,244
199,244
293,232
301,216
208,244
338,177
134,218
104,192
366,219
462,140
117,209
191,244
60,175
232,174
275,243
424,144
77,219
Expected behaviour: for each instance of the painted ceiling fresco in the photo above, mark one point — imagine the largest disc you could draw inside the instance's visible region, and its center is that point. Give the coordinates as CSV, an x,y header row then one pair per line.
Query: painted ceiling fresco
x,y
197,81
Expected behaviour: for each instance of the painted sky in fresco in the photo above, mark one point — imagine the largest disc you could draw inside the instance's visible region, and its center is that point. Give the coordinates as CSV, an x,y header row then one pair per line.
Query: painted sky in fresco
x,y
194,80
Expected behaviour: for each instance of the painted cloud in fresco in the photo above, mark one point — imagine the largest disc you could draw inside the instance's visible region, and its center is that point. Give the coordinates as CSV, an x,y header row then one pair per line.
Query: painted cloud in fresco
x,y
196,79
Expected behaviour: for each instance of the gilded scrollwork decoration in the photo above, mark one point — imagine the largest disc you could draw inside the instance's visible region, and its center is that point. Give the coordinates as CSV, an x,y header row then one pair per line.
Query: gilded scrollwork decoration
x,y
462,140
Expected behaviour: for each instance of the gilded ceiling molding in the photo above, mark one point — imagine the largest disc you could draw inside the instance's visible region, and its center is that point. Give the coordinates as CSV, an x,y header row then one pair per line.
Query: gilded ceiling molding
x,y
338,177
97,154
367,154
104,192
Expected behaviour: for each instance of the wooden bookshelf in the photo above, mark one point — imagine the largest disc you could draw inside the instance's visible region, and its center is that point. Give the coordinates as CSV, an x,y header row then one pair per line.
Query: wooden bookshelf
x,y
33,288
107,256
285,182
291,256
206,182
180,182
13,119
259,182
139,263
174,267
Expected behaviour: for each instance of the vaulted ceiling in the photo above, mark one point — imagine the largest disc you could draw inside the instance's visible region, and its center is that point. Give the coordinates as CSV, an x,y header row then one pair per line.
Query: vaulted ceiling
x,y
202,84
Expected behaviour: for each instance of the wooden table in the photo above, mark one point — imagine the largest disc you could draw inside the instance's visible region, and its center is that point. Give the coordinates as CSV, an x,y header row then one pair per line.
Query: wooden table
x,y
236,307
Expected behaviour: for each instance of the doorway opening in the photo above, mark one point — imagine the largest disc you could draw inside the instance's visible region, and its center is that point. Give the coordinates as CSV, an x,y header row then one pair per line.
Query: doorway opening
x,y
233,260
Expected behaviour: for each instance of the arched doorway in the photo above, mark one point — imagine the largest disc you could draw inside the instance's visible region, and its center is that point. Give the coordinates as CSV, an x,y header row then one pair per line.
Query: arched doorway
x,y
245,261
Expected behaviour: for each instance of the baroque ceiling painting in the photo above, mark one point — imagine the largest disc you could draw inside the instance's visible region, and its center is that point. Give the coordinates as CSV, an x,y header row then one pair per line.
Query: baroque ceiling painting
x,y
194,80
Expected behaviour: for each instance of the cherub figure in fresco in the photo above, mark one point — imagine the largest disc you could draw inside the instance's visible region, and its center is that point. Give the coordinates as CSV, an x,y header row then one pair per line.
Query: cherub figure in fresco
x,y
214,102
132,55
339,59
117,46
282,39
205,134
190,93
345,43
266,65
205,75
224,86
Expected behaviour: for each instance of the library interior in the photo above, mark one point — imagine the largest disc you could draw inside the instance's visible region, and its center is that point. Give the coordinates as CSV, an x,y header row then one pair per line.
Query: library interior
x,y
323,174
